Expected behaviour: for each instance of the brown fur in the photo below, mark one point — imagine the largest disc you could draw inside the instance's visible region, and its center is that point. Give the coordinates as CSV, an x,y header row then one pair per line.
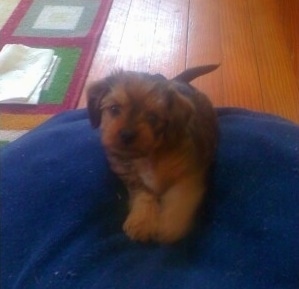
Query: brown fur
x,y
160,137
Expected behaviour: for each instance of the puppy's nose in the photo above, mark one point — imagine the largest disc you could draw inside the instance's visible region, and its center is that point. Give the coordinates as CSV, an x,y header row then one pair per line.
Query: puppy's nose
x,y
128,136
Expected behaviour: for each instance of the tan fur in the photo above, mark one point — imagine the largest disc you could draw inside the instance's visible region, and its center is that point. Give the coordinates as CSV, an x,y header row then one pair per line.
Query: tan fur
x,y
160,136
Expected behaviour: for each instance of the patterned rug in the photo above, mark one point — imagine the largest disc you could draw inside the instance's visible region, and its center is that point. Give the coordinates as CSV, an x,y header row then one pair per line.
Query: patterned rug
x,y
72,28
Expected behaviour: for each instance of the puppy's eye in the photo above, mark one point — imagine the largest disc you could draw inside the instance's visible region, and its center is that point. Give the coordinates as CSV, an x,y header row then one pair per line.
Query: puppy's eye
x,y
115,109
152,118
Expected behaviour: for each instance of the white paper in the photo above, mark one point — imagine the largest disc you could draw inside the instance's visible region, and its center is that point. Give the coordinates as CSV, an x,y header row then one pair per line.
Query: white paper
x,y
35,95
23,71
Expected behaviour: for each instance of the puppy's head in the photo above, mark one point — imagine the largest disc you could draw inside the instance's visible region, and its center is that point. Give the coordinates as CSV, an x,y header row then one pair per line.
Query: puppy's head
x,y
138,112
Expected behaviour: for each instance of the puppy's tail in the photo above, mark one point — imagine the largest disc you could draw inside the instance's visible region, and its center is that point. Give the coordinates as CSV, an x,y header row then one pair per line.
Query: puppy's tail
x,y
192,73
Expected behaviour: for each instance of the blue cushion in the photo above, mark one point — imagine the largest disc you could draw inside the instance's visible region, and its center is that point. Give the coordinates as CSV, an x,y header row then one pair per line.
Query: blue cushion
x,y
62,212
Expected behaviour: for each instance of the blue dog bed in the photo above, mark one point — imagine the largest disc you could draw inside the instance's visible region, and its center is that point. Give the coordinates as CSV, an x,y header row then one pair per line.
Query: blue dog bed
x,y
62,212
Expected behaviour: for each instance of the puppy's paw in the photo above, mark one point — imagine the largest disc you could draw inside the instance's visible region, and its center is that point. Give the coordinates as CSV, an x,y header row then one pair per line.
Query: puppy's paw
x,y
141,226
170,232
168,236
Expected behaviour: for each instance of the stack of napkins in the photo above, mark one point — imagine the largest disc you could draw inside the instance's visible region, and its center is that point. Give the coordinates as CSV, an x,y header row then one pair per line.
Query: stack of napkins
x,y
23,72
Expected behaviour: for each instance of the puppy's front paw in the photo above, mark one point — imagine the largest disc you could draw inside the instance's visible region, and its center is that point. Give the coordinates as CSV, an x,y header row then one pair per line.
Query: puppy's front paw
x,y
172,228
141,226
170,233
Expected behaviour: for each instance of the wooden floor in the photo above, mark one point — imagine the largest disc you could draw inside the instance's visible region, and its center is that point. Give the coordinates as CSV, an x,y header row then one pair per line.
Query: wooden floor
x,y
256,42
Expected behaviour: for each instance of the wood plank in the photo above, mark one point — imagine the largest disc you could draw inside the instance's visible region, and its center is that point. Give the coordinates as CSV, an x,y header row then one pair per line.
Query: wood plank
x,y
107,52
290,20
255,41
137,41
239,66
168,55
278,81
204,46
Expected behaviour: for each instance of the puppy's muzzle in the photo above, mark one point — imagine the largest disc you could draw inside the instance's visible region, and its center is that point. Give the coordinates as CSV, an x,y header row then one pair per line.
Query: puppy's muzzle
x,y
127,136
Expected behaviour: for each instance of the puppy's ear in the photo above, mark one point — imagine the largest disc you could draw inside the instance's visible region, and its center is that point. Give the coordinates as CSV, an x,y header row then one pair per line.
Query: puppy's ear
x,y
95,95
158,77
180,109
192,73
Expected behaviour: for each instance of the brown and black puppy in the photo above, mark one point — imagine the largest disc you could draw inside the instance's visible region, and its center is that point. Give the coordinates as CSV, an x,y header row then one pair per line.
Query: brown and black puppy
x,y
160,137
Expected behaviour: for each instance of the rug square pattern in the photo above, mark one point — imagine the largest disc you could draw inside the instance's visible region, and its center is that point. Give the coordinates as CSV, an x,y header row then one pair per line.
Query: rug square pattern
x,y
6,10
55,88
72,28
58,17
51,18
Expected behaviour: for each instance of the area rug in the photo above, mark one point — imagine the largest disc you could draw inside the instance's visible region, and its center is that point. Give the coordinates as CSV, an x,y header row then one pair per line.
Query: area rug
x,y
73,29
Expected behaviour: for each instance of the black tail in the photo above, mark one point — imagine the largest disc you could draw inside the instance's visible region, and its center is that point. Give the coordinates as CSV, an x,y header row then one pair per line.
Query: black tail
x,y
192,73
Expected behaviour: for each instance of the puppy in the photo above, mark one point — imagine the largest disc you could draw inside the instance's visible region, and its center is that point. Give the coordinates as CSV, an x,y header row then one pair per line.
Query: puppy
x,y
160,137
